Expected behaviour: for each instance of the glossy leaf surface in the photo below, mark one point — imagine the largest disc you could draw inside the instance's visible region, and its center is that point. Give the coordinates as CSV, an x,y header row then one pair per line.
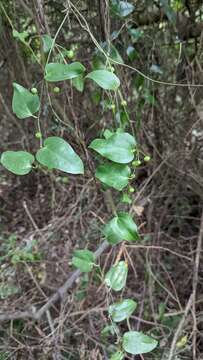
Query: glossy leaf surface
x,y
58,154
60,72
118,148
114,175
121,227
122,310
117,275
83,260
24,103
105,79
18,162
135,343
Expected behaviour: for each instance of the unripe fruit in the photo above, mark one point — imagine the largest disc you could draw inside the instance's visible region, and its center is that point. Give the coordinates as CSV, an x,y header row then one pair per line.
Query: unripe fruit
x,y
56,90
70,54
113,107
136,163
147,158
124,103
38,135
131,189
34,91
111,68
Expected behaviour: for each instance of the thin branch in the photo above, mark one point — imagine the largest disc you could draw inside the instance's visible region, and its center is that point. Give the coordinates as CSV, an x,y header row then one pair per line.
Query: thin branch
x,y
192,298
59,294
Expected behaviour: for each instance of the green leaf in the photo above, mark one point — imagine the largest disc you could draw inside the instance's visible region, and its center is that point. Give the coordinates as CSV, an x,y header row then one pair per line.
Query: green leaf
x,y
18,162
58,154
112,329
119,355
121,227
135,343
121,8
107,133
136,34
117,275
122,118
79,83
114,54
61,72
83,260
105,79
47,42
24,103
132,53
111,51
126,198
118,148
20,35
122,310
114,175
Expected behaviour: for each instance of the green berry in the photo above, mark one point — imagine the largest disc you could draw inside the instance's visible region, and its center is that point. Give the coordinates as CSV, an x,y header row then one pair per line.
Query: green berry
x,y
124,103
147,158
111,68
70,54
113,107
38,135
34,91
56,90
136,163
131,189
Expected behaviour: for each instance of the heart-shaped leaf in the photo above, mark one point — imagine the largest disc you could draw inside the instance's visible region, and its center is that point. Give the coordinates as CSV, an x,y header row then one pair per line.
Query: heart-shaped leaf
x,y
135,343
83,260
105,79
18,162
114,175
61,72
119,147
122,310
24,103
121,227
58,154
116,277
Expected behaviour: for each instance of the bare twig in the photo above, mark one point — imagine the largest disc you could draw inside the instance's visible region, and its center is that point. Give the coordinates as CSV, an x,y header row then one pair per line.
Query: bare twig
x,y
59,294
191,301
194,286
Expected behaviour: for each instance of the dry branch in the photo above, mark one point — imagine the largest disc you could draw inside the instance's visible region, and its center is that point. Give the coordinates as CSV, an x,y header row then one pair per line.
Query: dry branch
x,y
34,314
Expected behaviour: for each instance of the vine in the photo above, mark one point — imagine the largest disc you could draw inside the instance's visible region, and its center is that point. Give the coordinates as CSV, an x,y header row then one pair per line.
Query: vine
x,y
118,156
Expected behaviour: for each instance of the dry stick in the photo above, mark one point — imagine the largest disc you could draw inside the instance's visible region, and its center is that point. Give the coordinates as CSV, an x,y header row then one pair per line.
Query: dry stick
x,y
59,294
194,285
192,297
